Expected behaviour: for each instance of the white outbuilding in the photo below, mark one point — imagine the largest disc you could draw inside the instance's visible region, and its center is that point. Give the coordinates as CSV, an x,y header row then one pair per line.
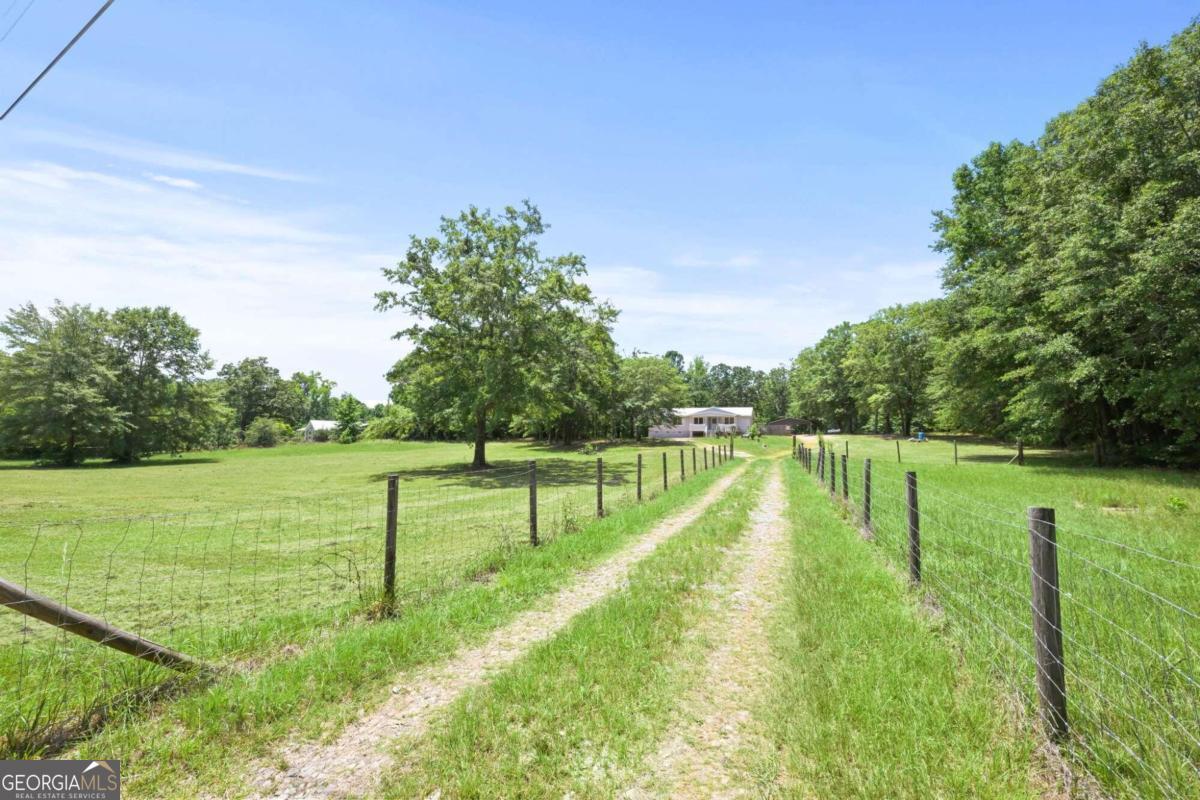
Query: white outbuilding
x,y
315,427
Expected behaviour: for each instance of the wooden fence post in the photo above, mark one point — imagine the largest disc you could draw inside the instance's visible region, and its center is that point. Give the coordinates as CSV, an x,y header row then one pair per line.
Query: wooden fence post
x,y
1047,622
821,464
664,471
639,478
832,473
389,542
599,487
682,468
533,531
706,459
914,527
845,478
1020,453
793,445
867,494
693,459
956,452
731,445
847,443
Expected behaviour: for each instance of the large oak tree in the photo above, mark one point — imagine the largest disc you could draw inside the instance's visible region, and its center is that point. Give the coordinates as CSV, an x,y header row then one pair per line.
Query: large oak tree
x,y
489,317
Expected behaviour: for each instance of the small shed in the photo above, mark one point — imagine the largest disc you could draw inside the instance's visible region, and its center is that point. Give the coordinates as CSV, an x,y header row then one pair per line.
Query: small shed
x,y
319,429
785,426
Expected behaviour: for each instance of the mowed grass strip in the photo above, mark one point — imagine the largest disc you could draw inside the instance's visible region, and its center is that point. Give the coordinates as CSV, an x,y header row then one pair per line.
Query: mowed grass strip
x,y
208,741
578,715
872,701
1128,559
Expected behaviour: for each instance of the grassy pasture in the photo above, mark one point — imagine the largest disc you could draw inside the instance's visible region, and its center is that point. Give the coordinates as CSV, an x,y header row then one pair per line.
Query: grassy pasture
x,y
1129,562
232,555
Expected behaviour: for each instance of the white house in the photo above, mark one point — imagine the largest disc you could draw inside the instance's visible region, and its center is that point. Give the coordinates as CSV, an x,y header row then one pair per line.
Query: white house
x,y
711,421
329,426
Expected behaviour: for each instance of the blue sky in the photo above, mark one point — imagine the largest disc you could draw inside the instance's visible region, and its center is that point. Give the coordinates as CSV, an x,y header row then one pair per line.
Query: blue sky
x,y
739,178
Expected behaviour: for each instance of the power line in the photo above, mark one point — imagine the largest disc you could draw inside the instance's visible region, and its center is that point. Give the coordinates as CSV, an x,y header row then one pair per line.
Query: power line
x,y
18,19
57,58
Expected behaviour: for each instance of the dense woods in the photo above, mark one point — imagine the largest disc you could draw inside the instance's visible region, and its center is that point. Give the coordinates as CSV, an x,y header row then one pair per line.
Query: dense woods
x,y
1071,313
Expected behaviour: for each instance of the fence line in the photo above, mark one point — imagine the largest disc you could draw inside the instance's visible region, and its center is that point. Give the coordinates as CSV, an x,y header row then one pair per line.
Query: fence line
x,y
1127,638
235,586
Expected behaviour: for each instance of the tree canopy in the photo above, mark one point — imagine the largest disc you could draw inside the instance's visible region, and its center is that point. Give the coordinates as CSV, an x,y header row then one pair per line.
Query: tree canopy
x,y
493,317
79,382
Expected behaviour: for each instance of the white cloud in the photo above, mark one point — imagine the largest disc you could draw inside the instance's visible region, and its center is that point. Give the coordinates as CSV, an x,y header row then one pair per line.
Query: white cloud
x,y
253,282
152,154
178,183
754,316
745,260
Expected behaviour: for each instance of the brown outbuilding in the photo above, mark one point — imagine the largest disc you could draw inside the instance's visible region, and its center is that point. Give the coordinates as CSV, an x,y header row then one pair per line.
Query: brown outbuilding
x,y
785,426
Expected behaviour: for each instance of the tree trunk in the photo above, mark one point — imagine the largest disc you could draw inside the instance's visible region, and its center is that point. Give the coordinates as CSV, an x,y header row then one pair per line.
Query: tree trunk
x,y
480,459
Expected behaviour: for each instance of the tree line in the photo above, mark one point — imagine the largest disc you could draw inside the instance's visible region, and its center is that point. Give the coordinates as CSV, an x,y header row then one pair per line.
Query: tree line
x,y
78,382
1071,312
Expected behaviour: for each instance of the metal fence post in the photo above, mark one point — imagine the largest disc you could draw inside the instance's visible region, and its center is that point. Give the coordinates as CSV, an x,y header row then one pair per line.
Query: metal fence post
x,y
897,451
664,455
639,478
533,522
389,546
914,527
867,494
1047,622
599,487
845,478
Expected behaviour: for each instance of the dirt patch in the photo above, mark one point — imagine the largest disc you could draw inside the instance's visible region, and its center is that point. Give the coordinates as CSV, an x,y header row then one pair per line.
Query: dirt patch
x,y
351,765
700,756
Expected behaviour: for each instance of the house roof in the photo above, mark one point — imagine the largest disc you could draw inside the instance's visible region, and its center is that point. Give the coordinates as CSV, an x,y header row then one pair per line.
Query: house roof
x,y
322,424
729,411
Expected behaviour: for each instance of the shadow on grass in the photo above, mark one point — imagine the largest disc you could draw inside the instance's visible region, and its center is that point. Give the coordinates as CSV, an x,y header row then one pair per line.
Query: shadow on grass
x,y
551,471
104,465
512,473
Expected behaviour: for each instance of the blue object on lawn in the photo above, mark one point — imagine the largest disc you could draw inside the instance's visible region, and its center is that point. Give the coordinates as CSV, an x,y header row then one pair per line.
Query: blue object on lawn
x,y
920,436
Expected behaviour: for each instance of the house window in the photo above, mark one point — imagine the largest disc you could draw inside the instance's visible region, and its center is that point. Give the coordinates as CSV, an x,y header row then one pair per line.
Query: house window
x,y
678,421
729,420
697,420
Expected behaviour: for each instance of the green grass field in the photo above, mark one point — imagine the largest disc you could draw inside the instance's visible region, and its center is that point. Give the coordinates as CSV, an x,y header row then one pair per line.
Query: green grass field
x,y
233,554
269,564
1129,562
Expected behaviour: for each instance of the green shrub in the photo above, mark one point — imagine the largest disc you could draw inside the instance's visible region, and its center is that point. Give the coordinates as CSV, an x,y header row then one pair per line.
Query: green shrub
x,y
397,422
1177,505
265,432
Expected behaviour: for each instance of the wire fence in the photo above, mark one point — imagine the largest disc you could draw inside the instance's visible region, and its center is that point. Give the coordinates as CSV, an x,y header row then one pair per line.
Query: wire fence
x,y
234,588
1129,624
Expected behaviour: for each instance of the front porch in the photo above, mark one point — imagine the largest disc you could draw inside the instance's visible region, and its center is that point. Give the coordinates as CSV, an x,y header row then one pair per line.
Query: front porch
x,y
709,426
